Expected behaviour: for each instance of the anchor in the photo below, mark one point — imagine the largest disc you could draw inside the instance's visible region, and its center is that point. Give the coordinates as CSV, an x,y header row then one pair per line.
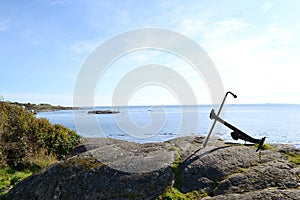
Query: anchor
x,y
237,133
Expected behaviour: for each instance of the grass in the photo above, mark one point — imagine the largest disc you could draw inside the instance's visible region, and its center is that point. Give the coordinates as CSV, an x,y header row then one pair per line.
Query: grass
x,y
176,171
265,147
42,159
175,194
86,163
293,157
175,165
10,177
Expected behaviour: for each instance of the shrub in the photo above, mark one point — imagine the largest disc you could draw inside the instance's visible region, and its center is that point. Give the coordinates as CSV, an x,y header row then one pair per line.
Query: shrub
x,y
23,136
61,141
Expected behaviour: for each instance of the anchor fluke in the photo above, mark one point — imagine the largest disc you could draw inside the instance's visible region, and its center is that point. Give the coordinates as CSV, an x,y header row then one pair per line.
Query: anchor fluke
x,y
234,135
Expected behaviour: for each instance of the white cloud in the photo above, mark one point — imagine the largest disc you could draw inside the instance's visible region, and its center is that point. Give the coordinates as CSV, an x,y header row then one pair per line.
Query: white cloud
x,y
258,61
251,60
256,58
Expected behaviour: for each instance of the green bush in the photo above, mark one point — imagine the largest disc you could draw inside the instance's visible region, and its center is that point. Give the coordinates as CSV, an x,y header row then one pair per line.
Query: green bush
x,y
24,137
61,141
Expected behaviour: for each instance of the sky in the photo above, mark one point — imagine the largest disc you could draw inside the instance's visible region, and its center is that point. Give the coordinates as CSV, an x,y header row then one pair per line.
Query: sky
x,y
254,45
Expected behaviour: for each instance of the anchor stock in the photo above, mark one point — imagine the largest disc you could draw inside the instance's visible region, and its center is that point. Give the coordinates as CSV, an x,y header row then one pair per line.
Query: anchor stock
x,y
219,112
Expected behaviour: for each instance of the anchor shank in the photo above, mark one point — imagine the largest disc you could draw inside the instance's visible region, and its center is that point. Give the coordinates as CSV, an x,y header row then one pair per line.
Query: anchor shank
x,y
238,133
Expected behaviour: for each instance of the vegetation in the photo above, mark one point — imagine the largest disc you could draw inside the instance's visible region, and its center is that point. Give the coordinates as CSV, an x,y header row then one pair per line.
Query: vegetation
x,y
86,163
175,194
265,147
293,157
40,107
28,144
176,165
10,177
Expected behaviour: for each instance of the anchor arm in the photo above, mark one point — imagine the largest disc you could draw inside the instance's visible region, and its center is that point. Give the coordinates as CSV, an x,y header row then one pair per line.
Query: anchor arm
x,y
237,133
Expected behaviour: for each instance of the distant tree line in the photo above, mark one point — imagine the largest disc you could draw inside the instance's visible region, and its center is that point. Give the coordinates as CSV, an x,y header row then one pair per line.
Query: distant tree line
x,y
41,107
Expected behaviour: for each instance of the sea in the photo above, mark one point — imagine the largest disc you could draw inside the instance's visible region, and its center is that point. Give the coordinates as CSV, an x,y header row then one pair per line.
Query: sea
x,y
279,123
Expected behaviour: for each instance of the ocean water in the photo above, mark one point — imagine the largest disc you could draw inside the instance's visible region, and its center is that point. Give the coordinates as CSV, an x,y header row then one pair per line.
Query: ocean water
x,y
280,123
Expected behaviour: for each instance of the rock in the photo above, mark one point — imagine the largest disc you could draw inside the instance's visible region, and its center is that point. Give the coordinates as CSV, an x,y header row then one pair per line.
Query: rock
x,y
272,174
87,178
103,168
103,112
220,163
271,193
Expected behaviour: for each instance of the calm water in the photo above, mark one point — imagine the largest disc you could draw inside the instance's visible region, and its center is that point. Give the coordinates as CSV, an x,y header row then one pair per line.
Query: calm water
x,y
279,123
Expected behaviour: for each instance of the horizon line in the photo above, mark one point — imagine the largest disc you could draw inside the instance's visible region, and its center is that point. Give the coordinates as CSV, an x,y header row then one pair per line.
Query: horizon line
x,y
152,105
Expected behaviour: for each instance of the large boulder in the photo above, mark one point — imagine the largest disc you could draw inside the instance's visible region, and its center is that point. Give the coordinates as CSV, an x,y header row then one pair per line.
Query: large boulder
x,y
105,168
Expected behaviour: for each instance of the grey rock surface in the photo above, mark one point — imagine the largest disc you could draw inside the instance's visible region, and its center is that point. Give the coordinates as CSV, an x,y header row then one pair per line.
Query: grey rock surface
x,y
103,168
267,194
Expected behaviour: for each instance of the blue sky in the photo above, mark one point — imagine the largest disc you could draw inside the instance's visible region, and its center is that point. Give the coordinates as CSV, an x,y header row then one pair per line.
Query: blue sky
x,y
255,46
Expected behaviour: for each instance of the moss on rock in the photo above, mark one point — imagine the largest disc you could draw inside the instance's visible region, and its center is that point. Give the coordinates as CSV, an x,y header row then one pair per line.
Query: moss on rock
x,y
293,157
175,194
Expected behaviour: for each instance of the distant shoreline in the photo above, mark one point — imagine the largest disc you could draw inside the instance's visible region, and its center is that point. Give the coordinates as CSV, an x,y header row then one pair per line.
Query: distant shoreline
x,y
43,107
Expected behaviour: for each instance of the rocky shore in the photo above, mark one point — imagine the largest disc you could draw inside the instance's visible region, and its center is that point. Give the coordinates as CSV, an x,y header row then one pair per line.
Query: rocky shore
x,y
105,168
